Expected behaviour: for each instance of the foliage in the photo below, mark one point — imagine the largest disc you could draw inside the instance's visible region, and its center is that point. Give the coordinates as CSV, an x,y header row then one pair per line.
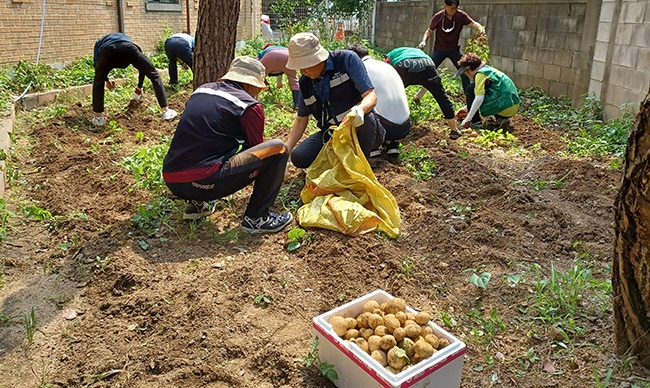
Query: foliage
x,y
146,166
149,217
296,236
478,44
5,214
313,357
262,300
418,162
492,139
481,280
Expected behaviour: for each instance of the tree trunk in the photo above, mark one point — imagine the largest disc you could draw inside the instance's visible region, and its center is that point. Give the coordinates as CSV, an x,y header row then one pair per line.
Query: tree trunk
x,y
631,271
215,39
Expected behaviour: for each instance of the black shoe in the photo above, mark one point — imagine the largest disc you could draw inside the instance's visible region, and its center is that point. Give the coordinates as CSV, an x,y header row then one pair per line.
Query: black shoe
x,y
455,134
391,147
503,123
272,223
198,209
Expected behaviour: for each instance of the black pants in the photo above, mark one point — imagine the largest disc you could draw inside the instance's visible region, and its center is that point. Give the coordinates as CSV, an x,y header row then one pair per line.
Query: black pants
x,y
421,71
263,164
371,136
470,95
177,48
121,55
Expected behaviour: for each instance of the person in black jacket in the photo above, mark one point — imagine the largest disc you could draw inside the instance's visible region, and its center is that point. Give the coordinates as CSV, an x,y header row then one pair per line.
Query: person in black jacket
x,y
118,51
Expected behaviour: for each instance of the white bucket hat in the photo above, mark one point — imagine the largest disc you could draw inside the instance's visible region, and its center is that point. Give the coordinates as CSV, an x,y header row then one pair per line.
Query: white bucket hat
x,y
305,51
247,70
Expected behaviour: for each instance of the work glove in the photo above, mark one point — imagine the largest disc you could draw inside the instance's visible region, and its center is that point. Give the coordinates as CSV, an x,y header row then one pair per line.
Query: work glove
x,y
422,44
138,94
481,30
466,122
110,85
358,115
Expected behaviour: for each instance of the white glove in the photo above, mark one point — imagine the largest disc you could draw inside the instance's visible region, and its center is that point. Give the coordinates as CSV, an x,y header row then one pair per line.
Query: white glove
x,y
466,121
481,29
422,44
358,113
138,94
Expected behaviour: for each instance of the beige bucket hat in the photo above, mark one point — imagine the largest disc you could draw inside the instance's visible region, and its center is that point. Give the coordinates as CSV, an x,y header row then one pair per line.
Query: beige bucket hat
x,y
305,51
247,70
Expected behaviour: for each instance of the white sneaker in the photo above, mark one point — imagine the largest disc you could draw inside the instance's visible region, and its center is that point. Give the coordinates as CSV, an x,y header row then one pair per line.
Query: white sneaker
x,y
137,96
169,114
98,121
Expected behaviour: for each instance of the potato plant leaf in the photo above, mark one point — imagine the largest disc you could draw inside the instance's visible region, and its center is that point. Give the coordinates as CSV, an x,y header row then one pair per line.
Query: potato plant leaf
x,y
481,280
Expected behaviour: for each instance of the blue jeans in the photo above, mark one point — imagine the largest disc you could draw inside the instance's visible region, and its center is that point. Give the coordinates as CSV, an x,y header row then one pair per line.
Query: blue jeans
x,y
175,48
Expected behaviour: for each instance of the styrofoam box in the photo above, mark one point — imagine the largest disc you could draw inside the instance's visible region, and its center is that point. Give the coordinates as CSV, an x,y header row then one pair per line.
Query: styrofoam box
x,y
356,369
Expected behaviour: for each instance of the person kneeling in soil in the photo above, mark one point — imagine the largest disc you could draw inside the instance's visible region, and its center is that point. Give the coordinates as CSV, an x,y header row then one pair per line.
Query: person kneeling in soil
x,y
490,93
118,51
392,106
415,67
218,149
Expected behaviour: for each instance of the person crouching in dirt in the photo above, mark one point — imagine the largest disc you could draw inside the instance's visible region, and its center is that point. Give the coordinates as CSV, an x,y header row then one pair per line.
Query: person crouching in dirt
x,y
118,51
415,67
179,48
332,85
392,105
218,149
491,92
274,59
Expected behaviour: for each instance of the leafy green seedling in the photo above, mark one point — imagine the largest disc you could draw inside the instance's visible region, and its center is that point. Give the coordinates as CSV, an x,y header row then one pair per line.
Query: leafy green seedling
x,y
295,236
262,301
481,280
313,357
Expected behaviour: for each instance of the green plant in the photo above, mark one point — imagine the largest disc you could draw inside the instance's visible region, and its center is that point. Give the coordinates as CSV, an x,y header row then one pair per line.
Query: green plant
x,y
146,166
478,44
460,211
295,237
489,325
418,162
605,382
498,138
5,214
29,324
150,216
405,271
480,281
262,301
313,357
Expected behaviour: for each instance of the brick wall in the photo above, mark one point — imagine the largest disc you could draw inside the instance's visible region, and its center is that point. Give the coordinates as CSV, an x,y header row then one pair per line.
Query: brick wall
x,y
621,62
548,43
72,26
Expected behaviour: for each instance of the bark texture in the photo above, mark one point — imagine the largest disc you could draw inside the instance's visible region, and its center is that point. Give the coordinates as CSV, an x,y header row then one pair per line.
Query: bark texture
x,y
631,270
215,39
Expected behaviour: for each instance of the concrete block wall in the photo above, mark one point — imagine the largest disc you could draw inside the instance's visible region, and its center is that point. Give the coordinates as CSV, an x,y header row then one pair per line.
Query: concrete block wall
x,y
547,43
621,63
72,26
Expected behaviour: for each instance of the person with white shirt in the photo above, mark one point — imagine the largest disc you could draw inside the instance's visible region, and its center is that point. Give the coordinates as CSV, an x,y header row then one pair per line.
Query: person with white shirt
x,y
392,105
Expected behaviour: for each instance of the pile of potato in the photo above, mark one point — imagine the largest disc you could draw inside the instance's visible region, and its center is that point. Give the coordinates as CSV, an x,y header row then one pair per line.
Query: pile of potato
x,y
395,338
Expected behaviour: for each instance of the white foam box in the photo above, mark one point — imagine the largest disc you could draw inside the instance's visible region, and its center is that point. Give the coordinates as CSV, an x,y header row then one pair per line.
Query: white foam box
x,y
356,369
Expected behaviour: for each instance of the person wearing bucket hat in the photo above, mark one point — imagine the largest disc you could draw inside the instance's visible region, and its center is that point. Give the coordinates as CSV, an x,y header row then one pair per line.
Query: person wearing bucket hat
x,y
491,92
274,59
415,67
118,51
218,149
332,85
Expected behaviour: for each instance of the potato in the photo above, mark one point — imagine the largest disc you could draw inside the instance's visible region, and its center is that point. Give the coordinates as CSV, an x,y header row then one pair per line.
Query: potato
x,y
362,320
366,333
432,340
391,369
397,358
379,312
363,345
409,322
409,347
339,325
401,317
351,333
423,349
387,342
442,342
370,306
422,318
351,323
395,305
413,331
381,331
391,322
399,334
380,356
375,320
426,330
374,343
410,316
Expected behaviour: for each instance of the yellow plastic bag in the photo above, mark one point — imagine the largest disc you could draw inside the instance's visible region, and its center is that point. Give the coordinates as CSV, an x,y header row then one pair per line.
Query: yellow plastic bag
x,y
341,192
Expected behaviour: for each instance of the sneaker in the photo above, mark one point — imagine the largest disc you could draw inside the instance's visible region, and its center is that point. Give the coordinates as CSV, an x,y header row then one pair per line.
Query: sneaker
x,y
375,153
455,134
137,96
98,121
272,223
391,147
199,209
169,114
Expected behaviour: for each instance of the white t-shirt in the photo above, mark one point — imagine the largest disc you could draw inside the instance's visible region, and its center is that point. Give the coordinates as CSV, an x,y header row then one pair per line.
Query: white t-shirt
x,y
391,97
267,32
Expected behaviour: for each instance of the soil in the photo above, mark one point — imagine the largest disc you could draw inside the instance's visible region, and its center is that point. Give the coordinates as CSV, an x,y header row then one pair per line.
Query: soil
x,y
116,307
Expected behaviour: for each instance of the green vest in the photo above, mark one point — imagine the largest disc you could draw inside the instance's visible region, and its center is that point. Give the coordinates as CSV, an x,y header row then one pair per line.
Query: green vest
x,y
500,95
401,53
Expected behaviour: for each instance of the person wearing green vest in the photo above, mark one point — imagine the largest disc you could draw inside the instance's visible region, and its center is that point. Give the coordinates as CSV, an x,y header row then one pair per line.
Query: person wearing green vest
x,y
491,93
415,67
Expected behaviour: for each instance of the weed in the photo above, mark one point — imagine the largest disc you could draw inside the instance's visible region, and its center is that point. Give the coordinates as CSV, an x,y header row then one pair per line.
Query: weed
x,y
289,195
146,167
227,237
605,382
296,236
313,357
498,138
29,324
405,271
448,319
417,162
5,214
262,301
6,319
489,326
149,217
480,281
460,211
